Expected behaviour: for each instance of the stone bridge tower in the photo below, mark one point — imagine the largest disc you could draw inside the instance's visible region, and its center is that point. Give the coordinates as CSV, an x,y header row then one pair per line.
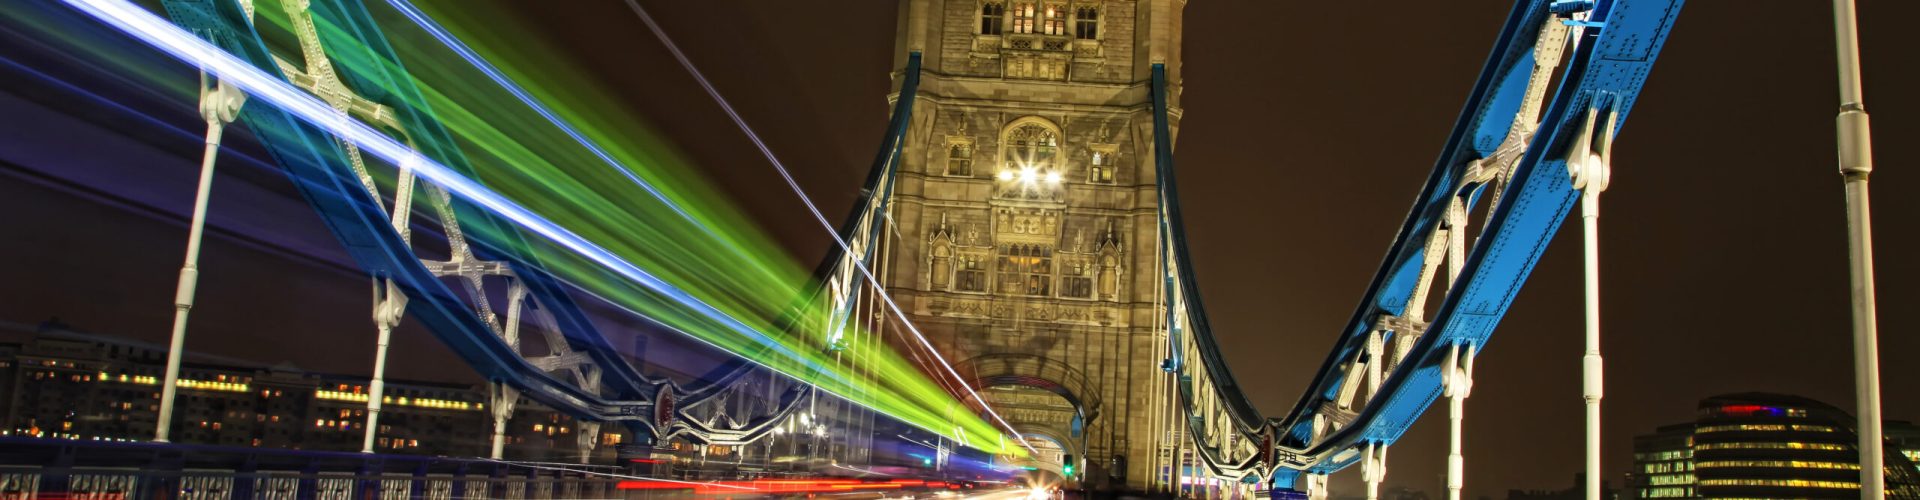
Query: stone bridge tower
x,y
1026,210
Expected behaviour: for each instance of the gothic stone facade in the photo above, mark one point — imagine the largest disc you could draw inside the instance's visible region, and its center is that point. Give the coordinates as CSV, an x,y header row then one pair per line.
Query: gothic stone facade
x,y
1026,205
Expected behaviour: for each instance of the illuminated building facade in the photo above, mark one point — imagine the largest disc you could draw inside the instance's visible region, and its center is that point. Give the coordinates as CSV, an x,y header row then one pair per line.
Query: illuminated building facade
x,y
60,384
1757,445
1904,438
1026,204
1663,464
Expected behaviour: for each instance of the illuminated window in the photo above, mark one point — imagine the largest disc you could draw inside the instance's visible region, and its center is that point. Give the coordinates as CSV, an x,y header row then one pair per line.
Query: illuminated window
x,y
991,15
960,159
1669,479
1025,17
1086,23
1779,464
1664,455
1783,483
1029,151
970,273
1026,270
1055,22
1100,170
1773,446
1077,282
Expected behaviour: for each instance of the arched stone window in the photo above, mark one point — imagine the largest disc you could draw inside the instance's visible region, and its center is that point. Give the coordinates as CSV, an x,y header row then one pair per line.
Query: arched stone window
x,y
1100,165
1055,20
941,265
1026,269
1030,143
992,14
1030,159
1076,280
960,158
1086,23
970,274
1026,17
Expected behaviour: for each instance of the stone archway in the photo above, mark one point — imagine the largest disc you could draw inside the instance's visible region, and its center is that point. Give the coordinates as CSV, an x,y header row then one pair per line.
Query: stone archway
x,y
1038,372
1055,433
1053,444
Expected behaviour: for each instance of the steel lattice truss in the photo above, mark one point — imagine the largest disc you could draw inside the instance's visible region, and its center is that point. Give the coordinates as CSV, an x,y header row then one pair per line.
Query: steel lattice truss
x,y
1493,202
459,295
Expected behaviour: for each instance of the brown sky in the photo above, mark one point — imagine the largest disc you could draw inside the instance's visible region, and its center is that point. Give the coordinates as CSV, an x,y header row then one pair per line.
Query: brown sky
x,y
1309,127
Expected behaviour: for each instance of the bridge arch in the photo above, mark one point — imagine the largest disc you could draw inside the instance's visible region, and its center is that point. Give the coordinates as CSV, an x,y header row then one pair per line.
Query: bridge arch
x,y
1051,432
1039,372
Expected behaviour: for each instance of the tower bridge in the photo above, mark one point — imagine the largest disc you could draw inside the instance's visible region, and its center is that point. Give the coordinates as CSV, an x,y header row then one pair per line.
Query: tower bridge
x,y
1012,296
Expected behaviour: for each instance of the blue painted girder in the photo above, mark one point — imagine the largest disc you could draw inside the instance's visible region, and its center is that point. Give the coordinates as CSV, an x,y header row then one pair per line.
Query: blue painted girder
x,y
1613,59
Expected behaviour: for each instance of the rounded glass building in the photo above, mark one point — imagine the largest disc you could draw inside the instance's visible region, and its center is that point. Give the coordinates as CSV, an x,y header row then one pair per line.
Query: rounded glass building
x,y
1758,445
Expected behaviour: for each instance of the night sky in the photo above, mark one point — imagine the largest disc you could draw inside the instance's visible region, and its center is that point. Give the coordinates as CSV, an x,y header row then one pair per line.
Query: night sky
x,y
1309,127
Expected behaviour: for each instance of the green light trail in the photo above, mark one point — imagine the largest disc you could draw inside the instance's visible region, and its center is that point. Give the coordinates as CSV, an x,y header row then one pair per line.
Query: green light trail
x,y
694,239
713,251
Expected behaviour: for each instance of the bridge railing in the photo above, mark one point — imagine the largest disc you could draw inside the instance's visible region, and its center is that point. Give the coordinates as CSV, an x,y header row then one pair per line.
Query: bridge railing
x,y
44,468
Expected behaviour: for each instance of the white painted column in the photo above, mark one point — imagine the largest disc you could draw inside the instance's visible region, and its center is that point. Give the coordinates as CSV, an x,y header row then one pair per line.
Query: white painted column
x,y
1316,487
588,434
1458,380
389,305
1373,469
219,105
1588,164
503,399
1855,141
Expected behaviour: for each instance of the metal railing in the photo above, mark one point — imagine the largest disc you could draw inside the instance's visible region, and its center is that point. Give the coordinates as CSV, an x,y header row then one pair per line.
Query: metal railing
x,y
47,468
